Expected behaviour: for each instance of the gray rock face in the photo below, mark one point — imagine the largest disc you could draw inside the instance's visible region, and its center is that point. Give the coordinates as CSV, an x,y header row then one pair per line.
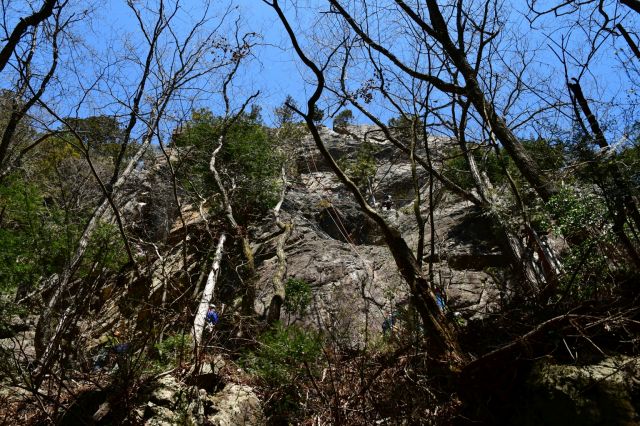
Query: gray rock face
x,y
466,251
393,172
17,337
341,253
352,286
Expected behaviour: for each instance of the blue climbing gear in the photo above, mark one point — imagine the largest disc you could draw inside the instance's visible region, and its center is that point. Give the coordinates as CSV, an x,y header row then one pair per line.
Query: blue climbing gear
x,y
441,298
212,316
441,302
121,348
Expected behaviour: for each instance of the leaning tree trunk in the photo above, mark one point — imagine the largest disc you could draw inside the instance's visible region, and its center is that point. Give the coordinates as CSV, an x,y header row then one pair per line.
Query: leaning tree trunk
x,y
278,277
536,277
623,202
473,91
207,294
438,29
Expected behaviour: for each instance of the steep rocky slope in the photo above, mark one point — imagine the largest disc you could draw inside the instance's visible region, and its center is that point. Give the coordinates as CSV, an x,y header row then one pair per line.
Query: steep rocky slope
x,y
339,251
355,293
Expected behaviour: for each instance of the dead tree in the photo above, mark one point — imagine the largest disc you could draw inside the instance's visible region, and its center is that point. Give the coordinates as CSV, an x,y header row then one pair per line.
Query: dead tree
x,y
208,293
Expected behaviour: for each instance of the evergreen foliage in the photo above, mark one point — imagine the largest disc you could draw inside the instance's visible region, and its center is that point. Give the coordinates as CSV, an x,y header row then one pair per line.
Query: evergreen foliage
x,y
34,239
249,160
363,166
342,119
297,296
285,357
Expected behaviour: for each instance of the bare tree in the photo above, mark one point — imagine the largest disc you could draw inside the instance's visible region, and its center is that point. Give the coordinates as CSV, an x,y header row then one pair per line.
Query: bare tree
x,y
437,325
30,86
33,20
623,204
600,22
171,75
611,17
452,119
435,26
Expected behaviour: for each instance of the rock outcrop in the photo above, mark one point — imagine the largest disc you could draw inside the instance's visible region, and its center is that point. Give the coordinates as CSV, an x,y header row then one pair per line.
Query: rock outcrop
x,y
606,393
236,405
171,402
340,252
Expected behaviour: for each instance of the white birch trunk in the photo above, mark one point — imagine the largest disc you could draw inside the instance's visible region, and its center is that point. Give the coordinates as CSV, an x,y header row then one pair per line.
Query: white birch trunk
x,y
207,294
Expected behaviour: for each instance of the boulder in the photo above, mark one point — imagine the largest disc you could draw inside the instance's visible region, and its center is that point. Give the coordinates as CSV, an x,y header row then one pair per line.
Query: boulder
x,y
166,392
236,405
607,393
171,402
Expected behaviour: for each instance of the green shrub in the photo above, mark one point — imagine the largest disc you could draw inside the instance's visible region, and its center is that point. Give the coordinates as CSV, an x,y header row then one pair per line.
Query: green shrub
x,y
34,238
283,360
549,155
282,353
174,349
576,212
583,218
297,296
362,167
249,161
457,170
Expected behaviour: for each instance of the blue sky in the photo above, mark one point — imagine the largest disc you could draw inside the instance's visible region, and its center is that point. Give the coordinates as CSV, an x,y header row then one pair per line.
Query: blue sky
x,y
273,69
276,72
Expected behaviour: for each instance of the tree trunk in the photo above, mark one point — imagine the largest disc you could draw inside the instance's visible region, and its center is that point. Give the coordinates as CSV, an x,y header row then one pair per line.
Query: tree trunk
x,y
23,24
521,259
440,32
437,326
249,296
207,293
278,277
621,193
632,4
